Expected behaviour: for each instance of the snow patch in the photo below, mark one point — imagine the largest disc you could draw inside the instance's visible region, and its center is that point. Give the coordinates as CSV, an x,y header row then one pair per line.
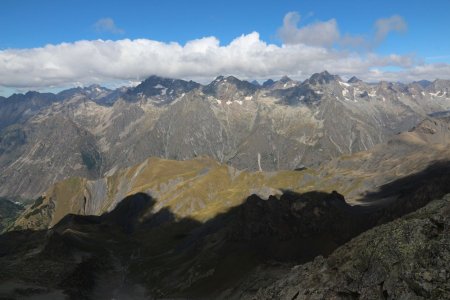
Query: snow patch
x,y
219,101
344,84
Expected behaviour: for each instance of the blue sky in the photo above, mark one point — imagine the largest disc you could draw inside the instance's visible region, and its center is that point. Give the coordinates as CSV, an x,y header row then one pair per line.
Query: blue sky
x,y
421,36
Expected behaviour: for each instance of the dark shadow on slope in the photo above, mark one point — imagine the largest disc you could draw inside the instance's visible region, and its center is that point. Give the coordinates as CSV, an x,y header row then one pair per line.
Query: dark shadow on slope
x,y
173,256
182,257
271,227
219,253
82,255
411,192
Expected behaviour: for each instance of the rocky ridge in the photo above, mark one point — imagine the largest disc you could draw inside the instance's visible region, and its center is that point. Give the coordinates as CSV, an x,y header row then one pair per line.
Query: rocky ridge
x,y
408,258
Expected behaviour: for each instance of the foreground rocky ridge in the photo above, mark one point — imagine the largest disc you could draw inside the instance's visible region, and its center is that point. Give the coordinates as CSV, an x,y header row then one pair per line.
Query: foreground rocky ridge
x,y
406,259
282,125
130,252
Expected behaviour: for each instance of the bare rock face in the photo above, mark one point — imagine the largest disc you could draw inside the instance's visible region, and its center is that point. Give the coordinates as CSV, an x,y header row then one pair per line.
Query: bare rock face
x,y
406,259
19,107
46,151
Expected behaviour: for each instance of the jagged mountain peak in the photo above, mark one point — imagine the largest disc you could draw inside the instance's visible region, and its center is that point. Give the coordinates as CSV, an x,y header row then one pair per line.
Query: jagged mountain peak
x,y
227,79
256,83
93,92
28,95
323,78
96,89
155,81
354,79
423,83
230,88
439,85
162,88
285,79
268,83
387,86
283,83
32,95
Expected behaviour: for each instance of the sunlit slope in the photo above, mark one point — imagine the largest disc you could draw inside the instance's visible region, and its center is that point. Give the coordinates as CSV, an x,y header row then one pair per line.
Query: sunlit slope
x,y
200,188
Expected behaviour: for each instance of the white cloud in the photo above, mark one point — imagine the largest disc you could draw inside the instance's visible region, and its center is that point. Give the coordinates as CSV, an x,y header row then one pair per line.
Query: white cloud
x,y
246,56
107,25
327,33
115,62
315,34
384,26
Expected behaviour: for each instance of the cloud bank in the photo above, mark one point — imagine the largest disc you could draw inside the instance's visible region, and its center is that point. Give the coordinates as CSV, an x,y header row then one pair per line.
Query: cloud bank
x,y
301,54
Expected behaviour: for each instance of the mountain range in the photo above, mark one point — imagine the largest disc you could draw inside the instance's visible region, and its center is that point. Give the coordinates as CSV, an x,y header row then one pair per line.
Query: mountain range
x,y
283,125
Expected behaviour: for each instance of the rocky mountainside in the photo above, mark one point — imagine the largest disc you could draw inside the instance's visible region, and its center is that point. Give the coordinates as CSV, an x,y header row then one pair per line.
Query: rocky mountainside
x,y
416,160
46,150
406,259
282,125
20,107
